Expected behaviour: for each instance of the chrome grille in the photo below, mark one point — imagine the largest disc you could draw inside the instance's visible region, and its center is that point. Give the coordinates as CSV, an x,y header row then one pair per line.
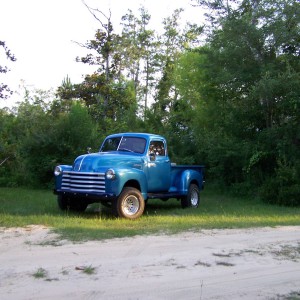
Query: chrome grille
x,y
83,182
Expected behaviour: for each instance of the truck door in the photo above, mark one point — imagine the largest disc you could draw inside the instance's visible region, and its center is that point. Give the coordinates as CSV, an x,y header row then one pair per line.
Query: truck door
x,y
159,167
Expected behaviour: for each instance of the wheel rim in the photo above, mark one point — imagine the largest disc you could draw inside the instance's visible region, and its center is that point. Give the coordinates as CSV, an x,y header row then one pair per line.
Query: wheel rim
x,y
194,198
130,205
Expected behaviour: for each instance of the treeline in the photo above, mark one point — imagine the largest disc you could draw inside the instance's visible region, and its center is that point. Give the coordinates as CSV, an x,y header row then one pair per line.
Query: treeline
x,y
225,94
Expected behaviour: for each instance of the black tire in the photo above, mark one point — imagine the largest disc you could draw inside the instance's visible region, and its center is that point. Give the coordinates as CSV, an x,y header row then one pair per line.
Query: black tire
x,y
66,203
192,198
63,202
130,204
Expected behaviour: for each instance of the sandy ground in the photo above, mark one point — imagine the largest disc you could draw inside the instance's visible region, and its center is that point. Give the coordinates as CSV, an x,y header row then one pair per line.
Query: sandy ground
x,y
211,264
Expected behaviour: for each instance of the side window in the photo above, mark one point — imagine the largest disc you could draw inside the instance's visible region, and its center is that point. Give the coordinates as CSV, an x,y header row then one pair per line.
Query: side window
x,y
157,148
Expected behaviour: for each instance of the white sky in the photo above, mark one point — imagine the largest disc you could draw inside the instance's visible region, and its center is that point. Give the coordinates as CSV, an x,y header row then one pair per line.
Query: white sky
x,y
40,34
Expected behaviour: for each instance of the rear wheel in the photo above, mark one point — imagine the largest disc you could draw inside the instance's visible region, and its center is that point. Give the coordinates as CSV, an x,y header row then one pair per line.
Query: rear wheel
x,y
130,204
192,198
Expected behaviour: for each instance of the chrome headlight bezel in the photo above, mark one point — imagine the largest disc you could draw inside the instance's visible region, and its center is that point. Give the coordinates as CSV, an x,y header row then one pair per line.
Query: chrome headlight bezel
x,y
110,174
58,171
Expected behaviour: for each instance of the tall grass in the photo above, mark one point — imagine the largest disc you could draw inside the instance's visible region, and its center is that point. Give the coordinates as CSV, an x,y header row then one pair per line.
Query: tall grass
x,y
22,207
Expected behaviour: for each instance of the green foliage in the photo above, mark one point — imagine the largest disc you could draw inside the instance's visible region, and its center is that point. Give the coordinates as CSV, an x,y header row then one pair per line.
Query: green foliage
x,y
8,145
231,104
5,91
104,100
35,141
40,273
284,187
247,85
89,270
74,132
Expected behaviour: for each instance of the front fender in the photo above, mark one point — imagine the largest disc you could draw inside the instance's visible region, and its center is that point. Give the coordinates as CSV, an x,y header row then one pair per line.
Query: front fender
x,y
124,176
58,178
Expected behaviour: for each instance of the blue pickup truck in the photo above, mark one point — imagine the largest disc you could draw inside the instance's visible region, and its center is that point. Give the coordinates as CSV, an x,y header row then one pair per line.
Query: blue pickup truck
x,y
128,170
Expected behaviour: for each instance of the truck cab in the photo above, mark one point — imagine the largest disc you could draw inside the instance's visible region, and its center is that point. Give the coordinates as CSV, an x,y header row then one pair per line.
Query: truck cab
x,y
129,169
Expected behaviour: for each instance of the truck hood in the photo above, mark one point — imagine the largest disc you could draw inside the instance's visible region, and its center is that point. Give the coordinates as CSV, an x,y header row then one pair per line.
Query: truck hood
x,y
99,162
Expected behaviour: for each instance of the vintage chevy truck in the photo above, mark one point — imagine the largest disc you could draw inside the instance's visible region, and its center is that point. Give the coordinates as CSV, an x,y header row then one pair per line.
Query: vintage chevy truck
x,y
128,170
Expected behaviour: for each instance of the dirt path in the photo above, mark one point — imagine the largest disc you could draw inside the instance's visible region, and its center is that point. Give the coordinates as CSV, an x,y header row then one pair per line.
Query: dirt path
x,y
212,264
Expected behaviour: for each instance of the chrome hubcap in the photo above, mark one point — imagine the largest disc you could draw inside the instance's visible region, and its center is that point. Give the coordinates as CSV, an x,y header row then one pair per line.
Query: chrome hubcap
x,y
130,205
194,198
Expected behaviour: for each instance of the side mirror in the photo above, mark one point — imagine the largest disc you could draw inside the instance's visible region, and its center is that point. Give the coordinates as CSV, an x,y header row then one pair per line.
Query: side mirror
x,y
152,157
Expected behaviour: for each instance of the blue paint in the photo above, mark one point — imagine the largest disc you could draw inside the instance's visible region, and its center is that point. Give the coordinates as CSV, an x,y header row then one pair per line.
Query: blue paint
x,y
138,160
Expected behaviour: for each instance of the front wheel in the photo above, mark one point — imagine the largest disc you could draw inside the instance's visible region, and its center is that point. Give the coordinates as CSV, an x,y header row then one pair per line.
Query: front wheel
x,y
63,202
192,198
130,204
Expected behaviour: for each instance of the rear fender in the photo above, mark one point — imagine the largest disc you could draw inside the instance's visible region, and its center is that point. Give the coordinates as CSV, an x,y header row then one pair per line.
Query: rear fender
x,y
188,177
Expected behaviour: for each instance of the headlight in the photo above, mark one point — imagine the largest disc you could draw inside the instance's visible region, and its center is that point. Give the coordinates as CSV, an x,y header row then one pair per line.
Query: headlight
x,y
110,174
57,171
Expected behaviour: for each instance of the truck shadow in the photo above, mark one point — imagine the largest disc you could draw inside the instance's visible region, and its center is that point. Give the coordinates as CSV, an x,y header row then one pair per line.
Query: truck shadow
x,y
158,207
158,204
152,207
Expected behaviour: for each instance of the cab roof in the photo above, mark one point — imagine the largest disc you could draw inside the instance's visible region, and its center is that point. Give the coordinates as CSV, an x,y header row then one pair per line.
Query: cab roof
x,y
148,136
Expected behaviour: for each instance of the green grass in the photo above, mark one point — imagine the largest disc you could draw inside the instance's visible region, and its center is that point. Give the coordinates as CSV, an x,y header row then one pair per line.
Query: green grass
x,y
40,273
89,270
22,207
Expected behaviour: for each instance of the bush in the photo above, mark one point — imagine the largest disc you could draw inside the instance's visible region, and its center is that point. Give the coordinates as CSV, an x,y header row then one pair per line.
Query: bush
x,y
290,195
284,187
274,193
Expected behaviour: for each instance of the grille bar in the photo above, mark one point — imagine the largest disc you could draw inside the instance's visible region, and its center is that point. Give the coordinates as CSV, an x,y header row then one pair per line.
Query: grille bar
x,y
84,182
79,181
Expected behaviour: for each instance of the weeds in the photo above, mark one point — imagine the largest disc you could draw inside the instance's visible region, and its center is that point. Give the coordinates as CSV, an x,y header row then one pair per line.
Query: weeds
x,y
221,255
89,270
200,263
288,252
290,296
40,273
224,263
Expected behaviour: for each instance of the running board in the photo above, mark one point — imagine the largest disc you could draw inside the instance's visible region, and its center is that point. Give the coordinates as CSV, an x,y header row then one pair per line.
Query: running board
x,y
164,195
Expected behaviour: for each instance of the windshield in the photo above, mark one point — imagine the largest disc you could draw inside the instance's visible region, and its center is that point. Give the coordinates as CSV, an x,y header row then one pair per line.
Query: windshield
x,y
127,144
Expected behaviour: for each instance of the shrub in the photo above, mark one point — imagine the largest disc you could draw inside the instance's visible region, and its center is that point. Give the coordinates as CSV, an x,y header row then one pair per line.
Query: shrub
x,y
284,187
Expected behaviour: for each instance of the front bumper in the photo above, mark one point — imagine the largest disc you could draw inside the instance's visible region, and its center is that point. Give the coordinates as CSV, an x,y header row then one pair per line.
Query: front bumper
x,y
85,195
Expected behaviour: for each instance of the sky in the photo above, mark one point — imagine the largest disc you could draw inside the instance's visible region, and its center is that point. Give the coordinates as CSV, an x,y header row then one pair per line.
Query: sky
x,y
42,35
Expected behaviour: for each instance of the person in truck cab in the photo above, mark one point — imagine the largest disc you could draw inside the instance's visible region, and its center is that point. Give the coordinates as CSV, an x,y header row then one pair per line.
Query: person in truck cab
x,y
156,148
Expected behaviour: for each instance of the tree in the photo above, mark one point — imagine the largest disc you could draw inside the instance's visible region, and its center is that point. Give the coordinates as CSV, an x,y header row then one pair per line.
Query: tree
x,y
106,93
172,111
107,58
138,48
8,143
174,41
250,89
5,91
